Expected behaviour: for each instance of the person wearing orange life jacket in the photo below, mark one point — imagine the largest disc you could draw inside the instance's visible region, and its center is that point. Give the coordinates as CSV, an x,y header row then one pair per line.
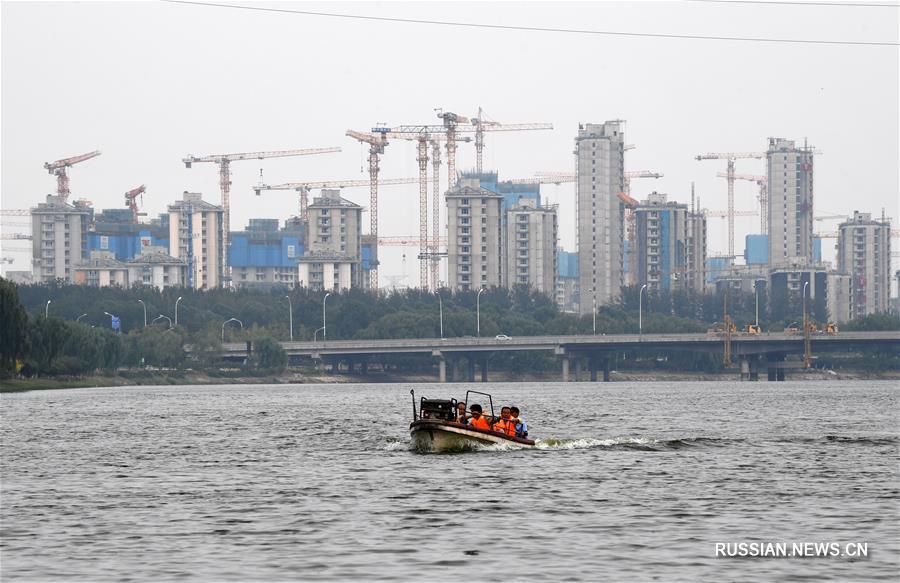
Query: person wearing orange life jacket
x,y
505,424
478,420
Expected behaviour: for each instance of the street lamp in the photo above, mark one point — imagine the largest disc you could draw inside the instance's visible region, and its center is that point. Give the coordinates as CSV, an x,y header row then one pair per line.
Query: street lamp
x,y
176,309
594,309
316,334
441,311
230,320
290,316
478,313
47,309
161,316
324,330
78,319
145,312
641,310
756,291
805,322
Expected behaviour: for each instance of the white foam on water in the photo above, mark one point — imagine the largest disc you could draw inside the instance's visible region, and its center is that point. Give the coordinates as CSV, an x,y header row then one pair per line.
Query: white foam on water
x,y
586,443
397,446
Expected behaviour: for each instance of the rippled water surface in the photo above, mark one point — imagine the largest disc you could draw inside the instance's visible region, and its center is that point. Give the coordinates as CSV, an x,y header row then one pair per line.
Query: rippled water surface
x,y
631,481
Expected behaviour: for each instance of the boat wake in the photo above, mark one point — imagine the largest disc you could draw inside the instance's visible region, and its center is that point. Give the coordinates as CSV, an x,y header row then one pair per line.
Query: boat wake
x,y
551,444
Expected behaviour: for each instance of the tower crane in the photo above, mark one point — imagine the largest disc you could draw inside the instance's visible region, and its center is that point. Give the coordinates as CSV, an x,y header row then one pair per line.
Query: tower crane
x,y
303,188
377,143
130,202
762,182
731,157
560,177
224,161
429,255
58,169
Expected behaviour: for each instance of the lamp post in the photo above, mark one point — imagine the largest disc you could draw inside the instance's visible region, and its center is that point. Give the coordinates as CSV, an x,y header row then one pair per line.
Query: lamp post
x,y
641,310
176,309
805,321
290,316
230,320
161,316
47,309
316,334
324,329
756,291
441,312
478,314
78,319
145,312
594,310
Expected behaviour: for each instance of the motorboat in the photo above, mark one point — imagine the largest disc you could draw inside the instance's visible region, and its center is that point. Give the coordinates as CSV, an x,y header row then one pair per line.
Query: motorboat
x,y
434,428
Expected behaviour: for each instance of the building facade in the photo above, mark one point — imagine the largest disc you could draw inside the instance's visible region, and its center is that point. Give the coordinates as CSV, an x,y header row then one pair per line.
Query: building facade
x,y
864,253
334,251
475,256
264,255
670,245
599,154
195,235
790,208
567,281
531,234
59,238
152,267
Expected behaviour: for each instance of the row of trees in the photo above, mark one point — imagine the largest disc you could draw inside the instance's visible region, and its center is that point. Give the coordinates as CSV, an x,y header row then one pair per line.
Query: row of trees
x,y
409,313
38,345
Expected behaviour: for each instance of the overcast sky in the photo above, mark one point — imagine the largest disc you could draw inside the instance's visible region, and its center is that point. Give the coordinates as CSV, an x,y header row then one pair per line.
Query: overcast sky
x,y
148,83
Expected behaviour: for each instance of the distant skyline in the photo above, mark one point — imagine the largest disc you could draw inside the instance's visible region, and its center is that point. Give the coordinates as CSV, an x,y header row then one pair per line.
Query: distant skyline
x,y
149,83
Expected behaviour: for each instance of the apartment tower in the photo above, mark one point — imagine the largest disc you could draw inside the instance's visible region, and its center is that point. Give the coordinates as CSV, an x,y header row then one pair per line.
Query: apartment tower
x,y
531,233
474,237
599,157
864,253
195,235
790,191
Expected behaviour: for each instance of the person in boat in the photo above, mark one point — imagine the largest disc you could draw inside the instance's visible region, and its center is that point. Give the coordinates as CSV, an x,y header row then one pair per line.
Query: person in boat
x,y
521,426
461,413
478,421
505,424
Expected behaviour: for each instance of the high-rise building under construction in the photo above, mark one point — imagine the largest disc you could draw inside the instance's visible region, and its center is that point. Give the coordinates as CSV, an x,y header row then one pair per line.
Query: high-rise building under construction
x,y
790,192
599,156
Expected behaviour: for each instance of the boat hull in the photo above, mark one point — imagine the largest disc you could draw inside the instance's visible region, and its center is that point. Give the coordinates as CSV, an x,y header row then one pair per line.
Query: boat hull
x,y
436,436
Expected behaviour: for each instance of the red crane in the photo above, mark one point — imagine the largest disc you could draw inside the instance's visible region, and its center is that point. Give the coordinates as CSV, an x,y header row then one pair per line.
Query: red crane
x,y
58,169
131,203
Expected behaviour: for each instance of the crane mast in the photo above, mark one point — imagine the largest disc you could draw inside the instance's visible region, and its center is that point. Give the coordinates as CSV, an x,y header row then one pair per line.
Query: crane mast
x,y
58,169
377,143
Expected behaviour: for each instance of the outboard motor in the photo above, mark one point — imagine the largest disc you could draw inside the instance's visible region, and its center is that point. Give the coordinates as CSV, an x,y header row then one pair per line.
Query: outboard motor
x,y
442,409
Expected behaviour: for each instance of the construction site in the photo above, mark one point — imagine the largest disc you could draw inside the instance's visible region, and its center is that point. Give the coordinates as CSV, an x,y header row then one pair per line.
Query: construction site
x,y
474,229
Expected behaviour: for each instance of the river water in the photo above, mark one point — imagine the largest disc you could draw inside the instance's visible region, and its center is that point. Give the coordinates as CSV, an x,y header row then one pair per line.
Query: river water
x,y
630,481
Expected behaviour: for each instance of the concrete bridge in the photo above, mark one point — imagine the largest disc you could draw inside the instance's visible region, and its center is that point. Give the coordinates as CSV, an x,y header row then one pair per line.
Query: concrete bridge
x,y
753,353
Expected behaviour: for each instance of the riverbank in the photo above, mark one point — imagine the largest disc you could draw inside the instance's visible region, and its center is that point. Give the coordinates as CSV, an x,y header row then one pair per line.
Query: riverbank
x,y
316,377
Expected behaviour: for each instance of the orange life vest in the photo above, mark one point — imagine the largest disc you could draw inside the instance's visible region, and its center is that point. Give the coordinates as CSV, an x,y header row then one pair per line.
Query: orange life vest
x,y
504,426
480,423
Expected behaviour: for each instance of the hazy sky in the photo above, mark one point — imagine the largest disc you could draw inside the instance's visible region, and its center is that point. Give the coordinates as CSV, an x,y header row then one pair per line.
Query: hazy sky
x,y
148,83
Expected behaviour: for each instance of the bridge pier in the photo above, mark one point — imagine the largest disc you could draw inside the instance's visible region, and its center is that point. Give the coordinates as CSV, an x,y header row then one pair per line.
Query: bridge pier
x,y
442,370
470,362
484,369
577,369
599,362
750,367
565,369
775,366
